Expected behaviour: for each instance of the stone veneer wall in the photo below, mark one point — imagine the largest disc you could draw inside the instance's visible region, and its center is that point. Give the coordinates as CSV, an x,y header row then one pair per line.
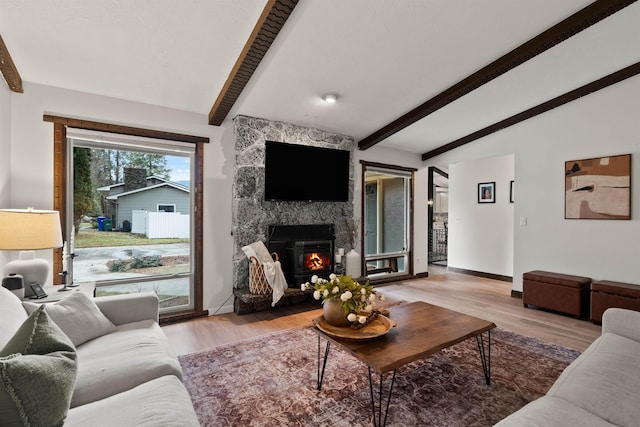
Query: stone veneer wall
x,y
251,213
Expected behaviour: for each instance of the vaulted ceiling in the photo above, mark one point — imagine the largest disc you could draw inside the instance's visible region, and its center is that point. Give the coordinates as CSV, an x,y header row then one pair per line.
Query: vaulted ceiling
x,y
420,76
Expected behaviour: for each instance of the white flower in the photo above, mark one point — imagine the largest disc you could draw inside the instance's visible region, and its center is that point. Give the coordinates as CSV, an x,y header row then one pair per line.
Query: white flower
x,y
325,292
362,319
352,317
316,295
363,291
363,298
332,277
372,297
314,278
335,290
369,308
381,297
346,296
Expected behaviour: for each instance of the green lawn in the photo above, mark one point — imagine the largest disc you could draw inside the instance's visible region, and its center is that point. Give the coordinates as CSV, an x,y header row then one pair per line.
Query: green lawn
x,y
92,238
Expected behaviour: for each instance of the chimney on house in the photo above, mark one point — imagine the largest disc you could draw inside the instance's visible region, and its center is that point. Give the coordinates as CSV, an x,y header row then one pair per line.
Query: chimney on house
x,y
134,178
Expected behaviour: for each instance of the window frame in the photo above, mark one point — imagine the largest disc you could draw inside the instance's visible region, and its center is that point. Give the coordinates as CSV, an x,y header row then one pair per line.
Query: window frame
x,y
60,172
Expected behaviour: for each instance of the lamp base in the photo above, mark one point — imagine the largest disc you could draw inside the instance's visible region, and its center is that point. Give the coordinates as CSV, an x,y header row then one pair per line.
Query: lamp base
x,y
32,269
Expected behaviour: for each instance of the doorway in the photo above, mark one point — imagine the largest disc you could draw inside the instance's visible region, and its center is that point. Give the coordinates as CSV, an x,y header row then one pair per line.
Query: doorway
x,y
438,215
387,221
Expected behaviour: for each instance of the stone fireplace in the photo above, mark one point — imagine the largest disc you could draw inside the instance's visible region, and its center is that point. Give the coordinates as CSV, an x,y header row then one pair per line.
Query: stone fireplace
x,y
254,217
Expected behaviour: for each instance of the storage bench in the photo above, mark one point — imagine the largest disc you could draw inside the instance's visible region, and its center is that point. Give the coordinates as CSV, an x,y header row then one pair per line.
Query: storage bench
x,y
559,292
606,294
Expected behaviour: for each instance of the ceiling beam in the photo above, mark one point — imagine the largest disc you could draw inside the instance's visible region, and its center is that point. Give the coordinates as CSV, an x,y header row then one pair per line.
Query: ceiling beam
x,y
273,18
9,70
579,21
565,98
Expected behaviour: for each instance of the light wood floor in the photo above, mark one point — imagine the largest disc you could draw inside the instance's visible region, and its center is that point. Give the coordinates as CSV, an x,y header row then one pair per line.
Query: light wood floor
x,y
476,296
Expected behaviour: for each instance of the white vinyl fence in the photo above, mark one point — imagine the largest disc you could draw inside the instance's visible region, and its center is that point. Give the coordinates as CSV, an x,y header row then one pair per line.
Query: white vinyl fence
x,y
159,225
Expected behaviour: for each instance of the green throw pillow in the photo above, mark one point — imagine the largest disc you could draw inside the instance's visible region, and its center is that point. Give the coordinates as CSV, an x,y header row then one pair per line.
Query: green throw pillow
x,y
37,374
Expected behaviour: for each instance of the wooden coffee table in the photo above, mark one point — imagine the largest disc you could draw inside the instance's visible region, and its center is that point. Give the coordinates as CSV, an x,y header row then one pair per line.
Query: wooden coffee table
x,y
421,329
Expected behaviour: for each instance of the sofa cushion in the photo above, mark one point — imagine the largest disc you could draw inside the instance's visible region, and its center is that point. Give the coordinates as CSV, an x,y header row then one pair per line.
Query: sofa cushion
x,y
604,380
13,314
78,316
37,374
552,412
131,355
160,402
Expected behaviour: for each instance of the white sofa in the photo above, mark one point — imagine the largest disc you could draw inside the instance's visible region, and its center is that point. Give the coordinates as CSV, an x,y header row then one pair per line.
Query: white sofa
x,y
126,373
600,387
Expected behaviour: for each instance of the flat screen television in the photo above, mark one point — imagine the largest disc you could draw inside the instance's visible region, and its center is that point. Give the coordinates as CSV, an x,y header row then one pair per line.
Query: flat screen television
x,y
296,172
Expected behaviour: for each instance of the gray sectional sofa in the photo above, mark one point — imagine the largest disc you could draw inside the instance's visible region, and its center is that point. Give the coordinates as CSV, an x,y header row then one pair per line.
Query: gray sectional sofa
x,y
600,387
89,361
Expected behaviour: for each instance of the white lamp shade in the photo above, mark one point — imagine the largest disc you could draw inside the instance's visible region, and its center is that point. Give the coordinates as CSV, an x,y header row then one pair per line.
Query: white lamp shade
x,y
29,229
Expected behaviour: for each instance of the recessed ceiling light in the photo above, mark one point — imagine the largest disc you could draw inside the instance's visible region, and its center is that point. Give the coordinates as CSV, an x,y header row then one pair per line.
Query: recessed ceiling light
x,y
330,98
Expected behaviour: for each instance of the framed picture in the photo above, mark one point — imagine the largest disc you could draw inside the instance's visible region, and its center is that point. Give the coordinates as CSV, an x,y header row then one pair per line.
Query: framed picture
x,y
511,192
487,192
598,188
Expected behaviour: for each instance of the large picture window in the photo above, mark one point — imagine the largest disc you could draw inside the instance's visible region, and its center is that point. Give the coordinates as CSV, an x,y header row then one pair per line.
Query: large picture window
x,y
131,203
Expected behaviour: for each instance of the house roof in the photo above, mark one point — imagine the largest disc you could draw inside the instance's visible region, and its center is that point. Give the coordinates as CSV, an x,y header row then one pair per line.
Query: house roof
x,y
107,188
384,58
151,187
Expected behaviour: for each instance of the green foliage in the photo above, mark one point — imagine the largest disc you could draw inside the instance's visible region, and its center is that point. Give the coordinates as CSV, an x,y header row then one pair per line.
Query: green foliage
x,y
83,188
146,262
154,164
119,265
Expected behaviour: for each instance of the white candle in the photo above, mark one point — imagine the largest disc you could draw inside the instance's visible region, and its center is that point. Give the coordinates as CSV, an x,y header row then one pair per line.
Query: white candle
x,y
341,251
338,258
64,257
72,243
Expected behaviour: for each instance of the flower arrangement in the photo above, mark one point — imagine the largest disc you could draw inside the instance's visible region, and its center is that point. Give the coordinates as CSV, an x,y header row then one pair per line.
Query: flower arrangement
x,y
357,300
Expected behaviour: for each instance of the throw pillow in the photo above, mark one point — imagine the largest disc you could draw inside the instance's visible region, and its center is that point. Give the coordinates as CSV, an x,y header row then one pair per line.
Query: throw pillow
x,y
37,374
78,316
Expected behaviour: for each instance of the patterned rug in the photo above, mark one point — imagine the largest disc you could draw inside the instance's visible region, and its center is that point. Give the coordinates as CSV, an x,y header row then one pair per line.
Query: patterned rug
x,y
271,381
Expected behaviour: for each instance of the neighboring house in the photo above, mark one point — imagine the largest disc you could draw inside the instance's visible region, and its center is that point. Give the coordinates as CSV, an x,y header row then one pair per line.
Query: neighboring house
x,y
156,195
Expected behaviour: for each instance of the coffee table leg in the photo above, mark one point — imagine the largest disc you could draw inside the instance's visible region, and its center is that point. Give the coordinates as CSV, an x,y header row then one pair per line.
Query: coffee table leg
x,y
324,362
485,356
380,421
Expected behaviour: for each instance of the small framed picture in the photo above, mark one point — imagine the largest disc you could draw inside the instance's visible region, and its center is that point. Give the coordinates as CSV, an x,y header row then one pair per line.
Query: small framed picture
x,y
511,193
487,192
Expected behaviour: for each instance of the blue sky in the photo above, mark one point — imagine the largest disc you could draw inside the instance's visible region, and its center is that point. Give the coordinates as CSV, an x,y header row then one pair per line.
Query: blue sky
x,y
179,168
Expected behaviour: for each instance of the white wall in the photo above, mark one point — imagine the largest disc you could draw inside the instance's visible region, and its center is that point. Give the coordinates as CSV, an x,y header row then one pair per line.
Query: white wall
x,y
5,156
481,234
603,123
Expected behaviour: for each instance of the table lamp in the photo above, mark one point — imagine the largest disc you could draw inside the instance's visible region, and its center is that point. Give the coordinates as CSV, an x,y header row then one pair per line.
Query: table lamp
x,y
28,230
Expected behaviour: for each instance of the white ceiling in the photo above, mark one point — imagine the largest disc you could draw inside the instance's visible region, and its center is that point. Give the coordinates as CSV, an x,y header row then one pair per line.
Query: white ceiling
x,y
383,57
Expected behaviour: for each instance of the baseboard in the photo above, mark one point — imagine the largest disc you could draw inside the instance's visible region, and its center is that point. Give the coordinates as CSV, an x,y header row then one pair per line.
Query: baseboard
x,y
421,275
516,294
482,274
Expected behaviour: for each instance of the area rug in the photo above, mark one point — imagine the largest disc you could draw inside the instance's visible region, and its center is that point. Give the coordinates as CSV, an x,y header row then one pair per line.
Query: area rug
x,y
271,381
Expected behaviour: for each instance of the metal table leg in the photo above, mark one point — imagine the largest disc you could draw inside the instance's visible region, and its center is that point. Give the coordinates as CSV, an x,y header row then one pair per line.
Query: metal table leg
x,y
324,362
485,356
379,421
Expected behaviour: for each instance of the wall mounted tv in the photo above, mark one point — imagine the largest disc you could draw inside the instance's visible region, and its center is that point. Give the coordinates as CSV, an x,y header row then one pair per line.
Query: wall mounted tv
x,y
305,173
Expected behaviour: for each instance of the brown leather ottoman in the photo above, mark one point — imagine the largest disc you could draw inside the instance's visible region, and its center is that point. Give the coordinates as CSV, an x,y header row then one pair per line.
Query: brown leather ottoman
x,y
606,294
559,292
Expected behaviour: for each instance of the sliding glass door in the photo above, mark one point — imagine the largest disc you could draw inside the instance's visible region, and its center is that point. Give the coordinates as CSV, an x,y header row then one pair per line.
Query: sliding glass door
x,y
387,207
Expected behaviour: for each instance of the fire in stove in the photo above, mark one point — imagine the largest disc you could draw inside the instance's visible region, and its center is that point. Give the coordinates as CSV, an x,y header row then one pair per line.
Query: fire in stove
x,y
315,261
